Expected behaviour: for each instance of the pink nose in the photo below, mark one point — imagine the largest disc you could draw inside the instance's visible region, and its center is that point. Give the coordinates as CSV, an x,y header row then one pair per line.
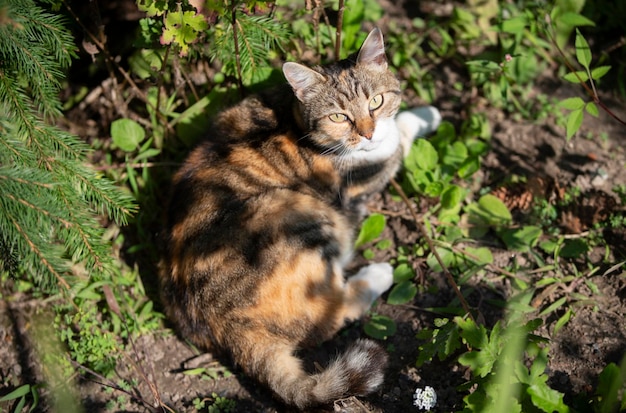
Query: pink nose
x,y
367,134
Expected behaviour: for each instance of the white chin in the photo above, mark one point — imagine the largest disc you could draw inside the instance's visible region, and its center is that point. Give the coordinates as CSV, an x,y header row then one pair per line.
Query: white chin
x,y
383,144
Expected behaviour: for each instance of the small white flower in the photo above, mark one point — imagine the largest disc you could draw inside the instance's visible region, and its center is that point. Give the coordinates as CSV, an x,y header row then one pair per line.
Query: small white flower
x,y
425,399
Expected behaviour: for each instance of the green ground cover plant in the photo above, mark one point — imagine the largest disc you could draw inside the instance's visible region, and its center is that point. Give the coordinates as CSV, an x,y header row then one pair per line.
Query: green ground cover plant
x,y
63,212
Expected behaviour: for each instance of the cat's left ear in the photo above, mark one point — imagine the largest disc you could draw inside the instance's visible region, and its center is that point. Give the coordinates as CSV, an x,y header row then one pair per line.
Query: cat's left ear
x,y
301,78
373,50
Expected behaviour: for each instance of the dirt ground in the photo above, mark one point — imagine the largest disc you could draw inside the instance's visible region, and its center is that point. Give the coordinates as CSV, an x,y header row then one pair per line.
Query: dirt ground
x,y
594,337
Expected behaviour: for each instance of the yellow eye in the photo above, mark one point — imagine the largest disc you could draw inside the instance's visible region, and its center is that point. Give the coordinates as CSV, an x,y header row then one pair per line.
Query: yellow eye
x,y
338,117
376,102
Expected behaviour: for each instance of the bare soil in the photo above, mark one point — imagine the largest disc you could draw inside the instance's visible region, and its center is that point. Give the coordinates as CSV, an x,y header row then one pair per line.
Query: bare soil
x,y
595,336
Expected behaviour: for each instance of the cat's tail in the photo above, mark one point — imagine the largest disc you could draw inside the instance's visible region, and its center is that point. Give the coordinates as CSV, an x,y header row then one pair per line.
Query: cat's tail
x,y
358,371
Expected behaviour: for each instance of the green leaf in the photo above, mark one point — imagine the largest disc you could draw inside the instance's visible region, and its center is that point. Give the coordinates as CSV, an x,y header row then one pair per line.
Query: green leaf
x,y
182,28
574,248
403,272
402,293
454,154
469,167
610,381
577,77
600,71
127,134
443,341
19,392
575,19
427,157
491,210
451,197
571,103
371,229
562,321
547,399
583,52
521,239
592,109
574,120
380,327
481,255
514,25
552,307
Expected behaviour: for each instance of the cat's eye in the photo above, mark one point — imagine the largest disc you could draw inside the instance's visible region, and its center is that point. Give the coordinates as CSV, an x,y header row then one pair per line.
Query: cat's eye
x,y
338,117
376,102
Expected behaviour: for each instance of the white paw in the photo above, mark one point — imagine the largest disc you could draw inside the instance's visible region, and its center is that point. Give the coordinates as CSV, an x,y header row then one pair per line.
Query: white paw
x,y
417,122
379,278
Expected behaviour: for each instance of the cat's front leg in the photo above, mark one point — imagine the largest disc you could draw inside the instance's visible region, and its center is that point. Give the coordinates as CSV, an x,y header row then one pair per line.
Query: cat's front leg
x,y
363,288
416,122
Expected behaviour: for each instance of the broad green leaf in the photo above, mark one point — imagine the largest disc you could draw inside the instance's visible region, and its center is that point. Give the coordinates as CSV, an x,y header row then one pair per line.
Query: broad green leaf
x,y
371,229
571,103
454,154
493,210
592,109
514,25
402,293
469,167
577,77
574,248
598,72
427,157
521,239
446,255
403,272
380,327
547,399
610,381
127,134
575,19
583,52
574,120
451,197
433,189
481,255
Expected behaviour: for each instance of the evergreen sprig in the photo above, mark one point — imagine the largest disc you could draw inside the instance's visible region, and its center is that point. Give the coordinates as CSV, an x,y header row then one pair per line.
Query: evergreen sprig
x,y
50,199
255,37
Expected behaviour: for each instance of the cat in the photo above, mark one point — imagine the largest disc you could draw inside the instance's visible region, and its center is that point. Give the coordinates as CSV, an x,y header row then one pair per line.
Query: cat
x,y
262,219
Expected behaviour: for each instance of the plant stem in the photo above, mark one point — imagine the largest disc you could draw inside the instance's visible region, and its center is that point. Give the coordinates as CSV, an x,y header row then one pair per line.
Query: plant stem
x,y
339,30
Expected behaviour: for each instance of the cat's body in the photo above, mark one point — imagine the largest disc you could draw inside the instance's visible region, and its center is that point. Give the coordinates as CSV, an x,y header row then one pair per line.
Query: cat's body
x,y
262,220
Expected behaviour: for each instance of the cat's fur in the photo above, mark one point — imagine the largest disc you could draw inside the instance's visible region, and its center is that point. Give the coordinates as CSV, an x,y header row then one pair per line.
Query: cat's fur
x,y
262,219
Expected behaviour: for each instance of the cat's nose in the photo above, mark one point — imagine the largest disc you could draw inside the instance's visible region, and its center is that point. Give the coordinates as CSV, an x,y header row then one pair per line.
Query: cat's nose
x,y
365,128
367,134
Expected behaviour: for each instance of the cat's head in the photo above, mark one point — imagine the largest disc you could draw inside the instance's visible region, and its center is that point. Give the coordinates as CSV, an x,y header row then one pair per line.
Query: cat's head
x,y
348,107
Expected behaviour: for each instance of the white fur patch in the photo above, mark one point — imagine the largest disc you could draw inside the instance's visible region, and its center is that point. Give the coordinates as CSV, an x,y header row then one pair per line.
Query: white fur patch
x,y
383,144
416,122
379,278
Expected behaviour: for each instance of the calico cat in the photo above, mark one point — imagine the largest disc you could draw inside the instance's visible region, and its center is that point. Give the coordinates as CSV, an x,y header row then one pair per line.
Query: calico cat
x,y
262,218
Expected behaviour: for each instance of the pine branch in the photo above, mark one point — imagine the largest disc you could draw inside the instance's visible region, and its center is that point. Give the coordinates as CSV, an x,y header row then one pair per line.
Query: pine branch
x,y
50,198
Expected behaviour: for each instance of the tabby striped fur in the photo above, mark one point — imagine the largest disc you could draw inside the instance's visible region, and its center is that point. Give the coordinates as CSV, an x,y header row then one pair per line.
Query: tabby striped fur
x,y
262,219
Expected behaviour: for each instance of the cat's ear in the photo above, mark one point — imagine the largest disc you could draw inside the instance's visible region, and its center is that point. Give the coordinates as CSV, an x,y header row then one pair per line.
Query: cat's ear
x,y
373,50
301,78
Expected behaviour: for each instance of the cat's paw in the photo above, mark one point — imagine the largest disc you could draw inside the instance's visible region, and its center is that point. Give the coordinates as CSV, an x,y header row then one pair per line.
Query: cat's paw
x,y
379,278
416,122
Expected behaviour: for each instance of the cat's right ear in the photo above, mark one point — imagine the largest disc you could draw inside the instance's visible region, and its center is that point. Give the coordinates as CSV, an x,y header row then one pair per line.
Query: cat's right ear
x,y
301,78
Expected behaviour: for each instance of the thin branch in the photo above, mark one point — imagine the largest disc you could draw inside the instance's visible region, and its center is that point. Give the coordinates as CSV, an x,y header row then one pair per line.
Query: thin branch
x,y
339,30
233,24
